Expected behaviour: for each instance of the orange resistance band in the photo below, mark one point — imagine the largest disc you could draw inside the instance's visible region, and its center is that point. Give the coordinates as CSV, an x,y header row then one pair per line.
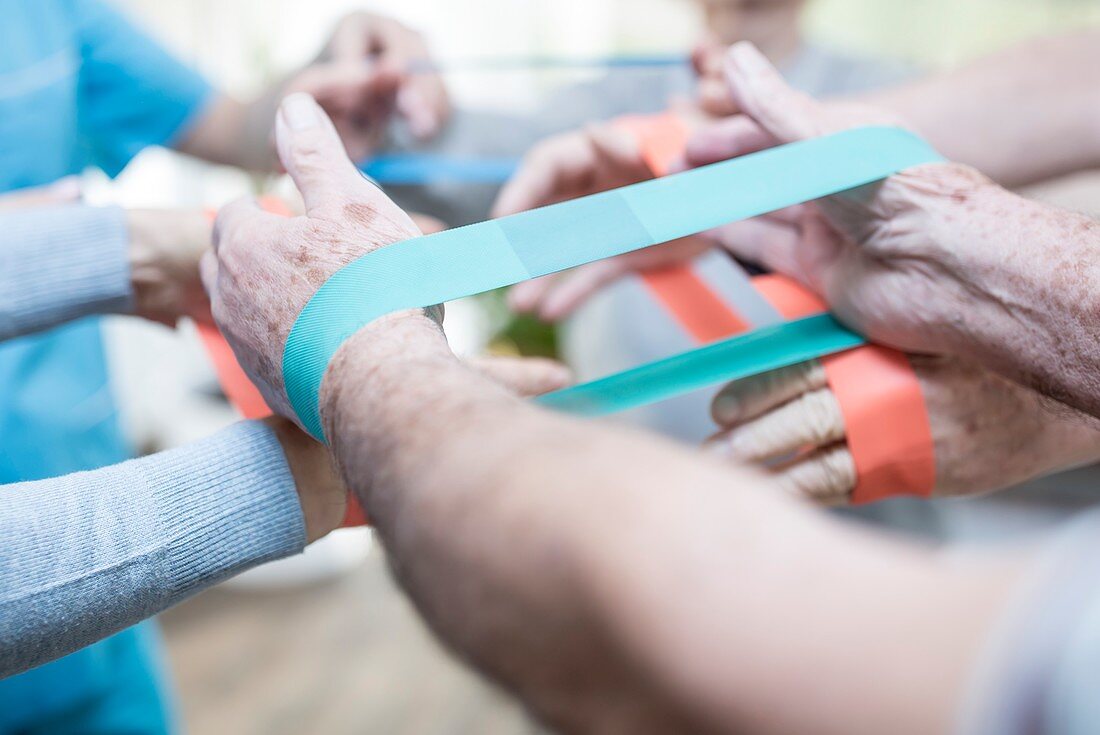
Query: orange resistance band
x,y
886,421
238,388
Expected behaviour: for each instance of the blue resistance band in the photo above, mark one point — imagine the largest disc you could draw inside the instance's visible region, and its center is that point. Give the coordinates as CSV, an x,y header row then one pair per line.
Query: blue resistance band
x,y
551,63
413,169
469,260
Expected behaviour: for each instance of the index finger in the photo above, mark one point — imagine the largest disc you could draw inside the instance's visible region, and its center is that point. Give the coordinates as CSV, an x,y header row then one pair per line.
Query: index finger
x,y
750,397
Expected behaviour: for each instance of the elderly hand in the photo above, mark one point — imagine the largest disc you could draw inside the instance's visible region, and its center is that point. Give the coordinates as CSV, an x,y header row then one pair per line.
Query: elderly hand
x,y
166,247
988,433
264,268
372,67
900,261
600,157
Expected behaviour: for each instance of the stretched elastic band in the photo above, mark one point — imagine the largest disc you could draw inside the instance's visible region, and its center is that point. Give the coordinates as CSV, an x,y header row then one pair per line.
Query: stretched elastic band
x,y
885,417
894,456
239,390
470,260
416,169
551,63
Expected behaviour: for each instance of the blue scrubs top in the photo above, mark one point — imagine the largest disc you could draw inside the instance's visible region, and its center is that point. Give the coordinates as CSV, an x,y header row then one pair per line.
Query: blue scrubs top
x,y
79,86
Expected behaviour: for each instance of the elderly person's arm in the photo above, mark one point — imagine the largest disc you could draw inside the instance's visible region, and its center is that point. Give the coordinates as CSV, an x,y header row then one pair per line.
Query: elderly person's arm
x,y
616,582
89,554
936,260
59,263
1021,115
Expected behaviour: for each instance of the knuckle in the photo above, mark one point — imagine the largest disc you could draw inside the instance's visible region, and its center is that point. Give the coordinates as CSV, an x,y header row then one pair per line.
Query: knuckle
x,y
838,472
821,416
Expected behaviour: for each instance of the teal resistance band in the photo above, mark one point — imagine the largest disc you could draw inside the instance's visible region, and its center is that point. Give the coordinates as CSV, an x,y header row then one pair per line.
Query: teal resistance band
x,y
470,260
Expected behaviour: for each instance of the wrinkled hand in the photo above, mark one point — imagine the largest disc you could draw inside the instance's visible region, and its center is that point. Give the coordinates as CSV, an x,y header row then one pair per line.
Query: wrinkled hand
x,y
597,158
264,268
988,433
897,260
166,247
371,68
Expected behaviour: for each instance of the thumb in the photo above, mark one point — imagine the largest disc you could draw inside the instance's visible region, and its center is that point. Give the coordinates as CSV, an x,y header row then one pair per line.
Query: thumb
x,y
760,92
526,376
314,156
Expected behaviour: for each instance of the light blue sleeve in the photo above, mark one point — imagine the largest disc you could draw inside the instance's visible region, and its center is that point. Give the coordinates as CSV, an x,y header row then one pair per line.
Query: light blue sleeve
x,y
1041,670
132,93
61,263
91,553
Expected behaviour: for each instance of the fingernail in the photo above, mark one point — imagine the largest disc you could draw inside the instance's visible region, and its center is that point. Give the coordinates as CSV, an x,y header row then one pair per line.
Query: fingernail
x,y
726,408
747,58
300,111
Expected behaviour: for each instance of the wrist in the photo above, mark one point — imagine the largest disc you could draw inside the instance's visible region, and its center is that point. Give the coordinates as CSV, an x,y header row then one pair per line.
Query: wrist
x,y
321,495
371,363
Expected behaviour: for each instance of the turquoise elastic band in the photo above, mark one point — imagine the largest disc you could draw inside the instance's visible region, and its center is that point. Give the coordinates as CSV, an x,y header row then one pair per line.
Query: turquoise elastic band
x,y
469,260
752,353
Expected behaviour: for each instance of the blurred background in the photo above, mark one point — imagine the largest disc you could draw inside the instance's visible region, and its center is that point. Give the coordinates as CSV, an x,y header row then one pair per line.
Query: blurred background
x,y
325,643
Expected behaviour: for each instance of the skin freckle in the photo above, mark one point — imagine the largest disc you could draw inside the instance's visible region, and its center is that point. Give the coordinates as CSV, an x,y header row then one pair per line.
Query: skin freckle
x,y
360,213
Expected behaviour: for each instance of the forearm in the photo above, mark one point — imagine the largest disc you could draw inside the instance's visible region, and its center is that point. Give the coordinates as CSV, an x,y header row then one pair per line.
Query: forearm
x,y
1028,306
528,541
61,263
89,554
1025,114
236,133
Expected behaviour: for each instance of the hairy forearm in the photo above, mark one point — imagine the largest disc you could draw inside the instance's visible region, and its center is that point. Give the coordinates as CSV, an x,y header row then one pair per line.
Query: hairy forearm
x,y
619,582
1023,115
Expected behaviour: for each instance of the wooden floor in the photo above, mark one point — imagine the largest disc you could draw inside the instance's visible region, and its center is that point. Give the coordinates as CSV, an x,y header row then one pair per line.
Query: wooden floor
x,y
348,656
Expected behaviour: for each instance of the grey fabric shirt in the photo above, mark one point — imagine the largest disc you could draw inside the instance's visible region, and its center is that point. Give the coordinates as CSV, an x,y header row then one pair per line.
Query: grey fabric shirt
x,y
1041,669
91,553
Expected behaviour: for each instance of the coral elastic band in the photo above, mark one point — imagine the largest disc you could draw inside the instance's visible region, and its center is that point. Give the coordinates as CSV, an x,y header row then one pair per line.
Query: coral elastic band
x,y
469,260
885,418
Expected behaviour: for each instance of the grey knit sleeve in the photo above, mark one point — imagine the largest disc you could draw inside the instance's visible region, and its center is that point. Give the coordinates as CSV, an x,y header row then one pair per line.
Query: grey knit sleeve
x,y
1041,668
60,263
91,553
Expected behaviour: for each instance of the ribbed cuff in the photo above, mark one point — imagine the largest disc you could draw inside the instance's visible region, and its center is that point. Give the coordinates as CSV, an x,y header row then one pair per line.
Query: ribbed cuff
x,y
62,263
229,503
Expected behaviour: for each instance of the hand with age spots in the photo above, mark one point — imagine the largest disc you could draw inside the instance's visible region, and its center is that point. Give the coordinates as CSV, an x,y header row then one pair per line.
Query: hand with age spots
x,y
987,432
264,268
596,158
931,260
